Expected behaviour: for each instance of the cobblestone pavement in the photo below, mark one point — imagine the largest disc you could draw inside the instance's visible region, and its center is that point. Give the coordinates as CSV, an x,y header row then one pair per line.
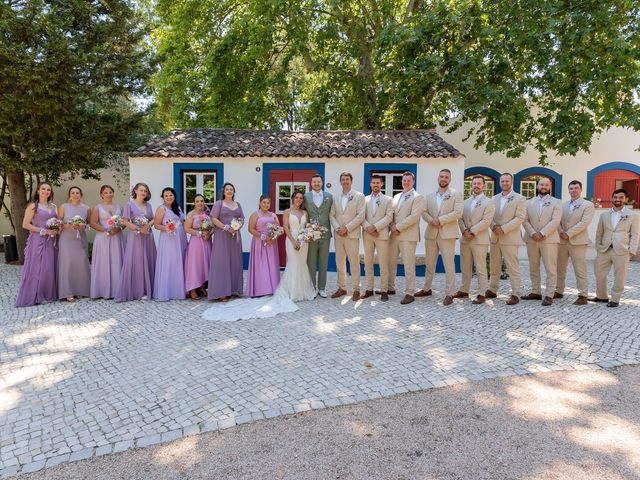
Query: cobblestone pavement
x,y
94,377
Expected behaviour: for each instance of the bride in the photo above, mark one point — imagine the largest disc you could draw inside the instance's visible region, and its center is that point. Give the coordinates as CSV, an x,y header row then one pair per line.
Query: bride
x,y
295,284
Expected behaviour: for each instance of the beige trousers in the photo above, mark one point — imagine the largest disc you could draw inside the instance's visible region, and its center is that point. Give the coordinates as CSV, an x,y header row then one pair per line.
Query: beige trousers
x,y
447,248
407,250
602,265
471,254
510,255
578,255
372,245
548,252
348,248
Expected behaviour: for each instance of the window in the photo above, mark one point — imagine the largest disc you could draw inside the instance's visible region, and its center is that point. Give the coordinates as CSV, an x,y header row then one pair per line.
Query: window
x,y
528,185
285,190
489,186
198,182
392,182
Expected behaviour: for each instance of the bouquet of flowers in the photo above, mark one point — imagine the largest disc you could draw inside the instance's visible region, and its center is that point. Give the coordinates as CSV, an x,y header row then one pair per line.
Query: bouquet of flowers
x,y
140,221
78,221
311,232
172,226
115,221
236,224
206,225
52,224
273,232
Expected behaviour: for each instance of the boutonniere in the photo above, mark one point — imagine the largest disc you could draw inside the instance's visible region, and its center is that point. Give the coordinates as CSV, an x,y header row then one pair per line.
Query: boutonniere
x,y
350,197
377,202
407,195
546,204
623,217
477,204
446,197
509,199
576,206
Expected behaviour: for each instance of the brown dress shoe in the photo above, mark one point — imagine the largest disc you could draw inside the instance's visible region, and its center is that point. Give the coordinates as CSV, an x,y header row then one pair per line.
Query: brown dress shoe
x,y
532,296
513,300
547,301
557,295
461,294
479,299
356,296
581,301
407,299
490,294
384,296
367,294
596,299
388,292
448,300
423,293
339,293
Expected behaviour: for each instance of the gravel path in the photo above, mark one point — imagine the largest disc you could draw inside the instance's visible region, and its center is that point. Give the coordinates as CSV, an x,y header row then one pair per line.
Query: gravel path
x,y
580,425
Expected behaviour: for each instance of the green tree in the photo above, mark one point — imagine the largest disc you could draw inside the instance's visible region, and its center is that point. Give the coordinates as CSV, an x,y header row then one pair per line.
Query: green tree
x,y
68,71
548,73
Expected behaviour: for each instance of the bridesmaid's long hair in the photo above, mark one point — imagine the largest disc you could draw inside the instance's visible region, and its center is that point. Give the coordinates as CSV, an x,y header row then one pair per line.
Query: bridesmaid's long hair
x,y
293,196
205,209
228,184
35,198
175,208
133,191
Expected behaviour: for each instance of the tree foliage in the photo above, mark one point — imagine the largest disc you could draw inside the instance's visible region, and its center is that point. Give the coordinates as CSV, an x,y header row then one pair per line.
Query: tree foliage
x,y
525,72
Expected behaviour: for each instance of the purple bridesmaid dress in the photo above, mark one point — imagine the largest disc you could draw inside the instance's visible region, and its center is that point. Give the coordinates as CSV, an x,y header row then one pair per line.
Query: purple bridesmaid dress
x,y
74,272
263,276
225,270
106,258
196,263
38,282
169,279
139,266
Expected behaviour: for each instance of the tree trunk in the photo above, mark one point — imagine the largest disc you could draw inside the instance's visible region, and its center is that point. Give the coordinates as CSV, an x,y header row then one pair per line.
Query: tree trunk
x,y
18,199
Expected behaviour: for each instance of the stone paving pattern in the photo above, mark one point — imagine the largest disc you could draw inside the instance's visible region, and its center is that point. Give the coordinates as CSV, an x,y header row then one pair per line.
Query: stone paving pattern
x,y
94,377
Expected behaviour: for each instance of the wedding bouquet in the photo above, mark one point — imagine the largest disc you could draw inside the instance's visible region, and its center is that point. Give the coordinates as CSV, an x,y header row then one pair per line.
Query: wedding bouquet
x,y
78,221
311,232
172,226
273,232
206,225
115,221
52,224
236,225
140,221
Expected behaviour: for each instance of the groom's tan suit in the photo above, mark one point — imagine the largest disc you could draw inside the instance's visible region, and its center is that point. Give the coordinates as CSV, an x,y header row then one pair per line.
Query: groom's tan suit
x,y
378,214
351,217
407,210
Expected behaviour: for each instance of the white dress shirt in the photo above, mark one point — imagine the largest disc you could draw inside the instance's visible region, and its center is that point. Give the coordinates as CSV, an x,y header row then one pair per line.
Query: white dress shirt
x,y
374,203
344,199
317,198
504,198
616,216
440,197
403,197
573,204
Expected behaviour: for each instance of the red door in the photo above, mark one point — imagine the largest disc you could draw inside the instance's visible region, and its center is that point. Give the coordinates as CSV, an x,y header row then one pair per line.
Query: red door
x,y
633,189
606,182
282,183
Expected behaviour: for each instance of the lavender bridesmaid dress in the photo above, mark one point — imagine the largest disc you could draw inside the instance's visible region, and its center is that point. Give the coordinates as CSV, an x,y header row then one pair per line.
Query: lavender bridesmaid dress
x,y
225,271
74,273
139,266
263,276
196,262
38,280
106,258
169,279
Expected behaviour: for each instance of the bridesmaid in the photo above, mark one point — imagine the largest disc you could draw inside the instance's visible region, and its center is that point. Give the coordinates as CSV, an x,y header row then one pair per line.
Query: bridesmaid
x,y
169,279
196,263
225,270
108,247
38,280
139,265
263,276
74,273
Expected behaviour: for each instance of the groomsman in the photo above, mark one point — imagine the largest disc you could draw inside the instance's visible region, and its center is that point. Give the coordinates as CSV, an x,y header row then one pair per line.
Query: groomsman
x,y
347,215
577,214
544,213
378,216
617,239
318,203
408,206
477,215
510,210
444,208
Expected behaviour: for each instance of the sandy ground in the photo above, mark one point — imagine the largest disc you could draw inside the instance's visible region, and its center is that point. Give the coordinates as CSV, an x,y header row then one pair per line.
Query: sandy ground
x,y
560,425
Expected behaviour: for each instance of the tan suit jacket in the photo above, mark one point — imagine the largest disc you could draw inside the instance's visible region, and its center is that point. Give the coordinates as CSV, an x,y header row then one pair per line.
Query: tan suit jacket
x,y
575,223
543,219
351,217
509,219
407,217
624,238
477,215
381,219
448,214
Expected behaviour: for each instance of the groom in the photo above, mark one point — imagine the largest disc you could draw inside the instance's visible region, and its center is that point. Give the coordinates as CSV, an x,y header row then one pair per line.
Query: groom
x,y
318,203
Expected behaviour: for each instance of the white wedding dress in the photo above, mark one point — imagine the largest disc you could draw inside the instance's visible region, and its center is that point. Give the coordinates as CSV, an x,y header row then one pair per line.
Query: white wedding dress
x,y
295,286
